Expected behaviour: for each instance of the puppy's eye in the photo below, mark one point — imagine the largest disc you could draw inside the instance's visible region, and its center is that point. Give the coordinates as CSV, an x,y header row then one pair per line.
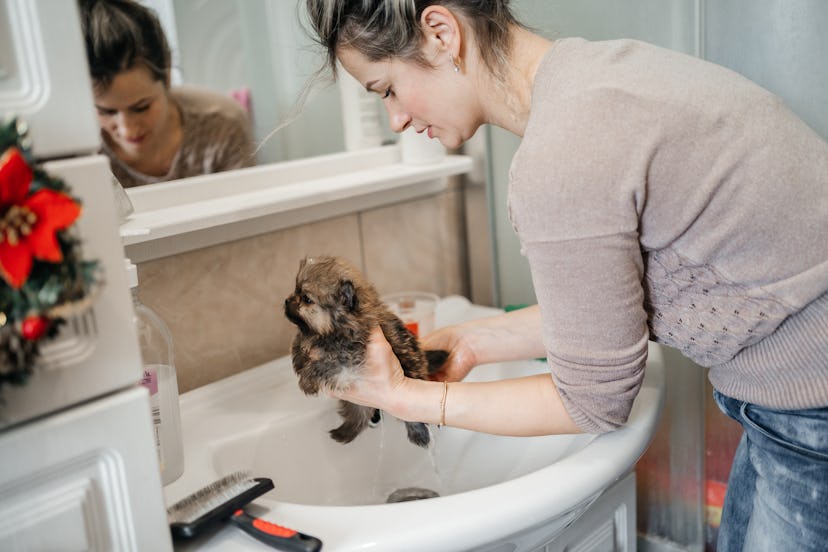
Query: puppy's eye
x,y
307,300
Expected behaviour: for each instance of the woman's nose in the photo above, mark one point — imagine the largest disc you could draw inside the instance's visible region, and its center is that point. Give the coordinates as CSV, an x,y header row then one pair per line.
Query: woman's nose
x,y
126,124
398,119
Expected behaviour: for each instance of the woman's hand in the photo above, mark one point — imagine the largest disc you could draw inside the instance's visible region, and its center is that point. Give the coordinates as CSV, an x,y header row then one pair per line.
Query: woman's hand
x,y
509,336
481,406
381,378
461,357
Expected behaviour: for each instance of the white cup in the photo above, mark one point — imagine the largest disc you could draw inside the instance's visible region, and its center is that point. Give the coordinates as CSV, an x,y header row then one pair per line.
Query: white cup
x,y
415,308
419,149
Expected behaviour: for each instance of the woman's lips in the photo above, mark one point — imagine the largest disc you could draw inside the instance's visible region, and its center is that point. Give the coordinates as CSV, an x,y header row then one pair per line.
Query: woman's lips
x,y
426,130
136,140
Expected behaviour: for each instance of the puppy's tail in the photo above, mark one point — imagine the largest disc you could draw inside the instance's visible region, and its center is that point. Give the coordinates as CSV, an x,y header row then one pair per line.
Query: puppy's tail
x,y
435,359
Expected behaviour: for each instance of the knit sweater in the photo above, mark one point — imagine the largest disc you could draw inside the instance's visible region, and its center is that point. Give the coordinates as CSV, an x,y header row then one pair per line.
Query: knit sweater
x,y
658,196
216,136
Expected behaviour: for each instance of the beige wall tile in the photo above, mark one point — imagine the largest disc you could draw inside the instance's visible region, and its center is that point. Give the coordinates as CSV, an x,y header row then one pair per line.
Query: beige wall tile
x,y
224,304
417,245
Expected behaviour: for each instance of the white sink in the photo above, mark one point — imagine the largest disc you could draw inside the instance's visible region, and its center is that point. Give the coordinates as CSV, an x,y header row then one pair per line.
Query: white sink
x,y
490,487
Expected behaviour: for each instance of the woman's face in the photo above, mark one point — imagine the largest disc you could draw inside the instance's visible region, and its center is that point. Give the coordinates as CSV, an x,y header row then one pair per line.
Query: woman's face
x,y
436,100
133,111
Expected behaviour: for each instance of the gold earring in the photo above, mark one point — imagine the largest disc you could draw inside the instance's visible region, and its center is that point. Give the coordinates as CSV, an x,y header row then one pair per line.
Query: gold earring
x,y
456,67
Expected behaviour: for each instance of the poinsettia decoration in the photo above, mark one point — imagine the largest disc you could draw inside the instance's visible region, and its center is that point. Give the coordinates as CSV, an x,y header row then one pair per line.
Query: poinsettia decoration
x,y
30,220
43,277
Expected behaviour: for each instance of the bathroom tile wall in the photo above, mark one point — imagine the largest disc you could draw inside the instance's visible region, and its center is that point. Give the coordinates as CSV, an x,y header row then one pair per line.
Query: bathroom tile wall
x,y
417,245
223,304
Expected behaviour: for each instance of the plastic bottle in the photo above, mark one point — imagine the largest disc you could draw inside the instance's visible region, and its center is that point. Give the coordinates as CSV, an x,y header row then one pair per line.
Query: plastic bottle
x,y
360,114
160,379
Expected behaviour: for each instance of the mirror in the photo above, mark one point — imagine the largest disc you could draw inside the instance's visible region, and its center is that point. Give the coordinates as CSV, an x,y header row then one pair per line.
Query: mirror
x,y
258,48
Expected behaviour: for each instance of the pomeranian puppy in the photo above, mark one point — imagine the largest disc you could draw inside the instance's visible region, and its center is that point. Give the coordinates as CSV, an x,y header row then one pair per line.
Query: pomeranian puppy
x,y
335,308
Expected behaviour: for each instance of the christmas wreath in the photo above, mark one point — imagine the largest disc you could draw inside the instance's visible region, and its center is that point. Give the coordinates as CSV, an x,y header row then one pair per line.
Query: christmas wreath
x,y
43,277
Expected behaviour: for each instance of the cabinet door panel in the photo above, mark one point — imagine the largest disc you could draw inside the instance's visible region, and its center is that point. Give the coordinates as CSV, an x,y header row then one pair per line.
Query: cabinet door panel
x,y
84,479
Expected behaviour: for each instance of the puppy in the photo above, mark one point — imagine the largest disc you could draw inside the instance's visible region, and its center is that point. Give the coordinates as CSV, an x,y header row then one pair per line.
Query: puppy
x,y
335,308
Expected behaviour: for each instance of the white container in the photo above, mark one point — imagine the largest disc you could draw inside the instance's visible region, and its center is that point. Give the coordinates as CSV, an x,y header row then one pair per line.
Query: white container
x,y
419,149
160,380
360,114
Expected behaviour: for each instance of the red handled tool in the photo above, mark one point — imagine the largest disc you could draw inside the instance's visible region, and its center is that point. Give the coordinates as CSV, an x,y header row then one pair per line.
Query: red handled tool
x,y
275,535
224,500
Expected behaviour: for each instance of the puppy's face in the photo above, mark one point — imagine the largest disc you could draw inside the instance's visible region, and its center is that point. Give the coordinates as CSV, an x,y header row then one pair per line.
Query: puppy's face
x,y
324,295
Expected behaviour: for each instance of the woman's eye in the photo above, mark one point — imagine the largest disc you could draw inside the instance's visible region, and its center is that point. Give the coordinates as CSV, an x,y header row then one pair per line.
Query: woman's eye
x,y
306,300
387,93
140,108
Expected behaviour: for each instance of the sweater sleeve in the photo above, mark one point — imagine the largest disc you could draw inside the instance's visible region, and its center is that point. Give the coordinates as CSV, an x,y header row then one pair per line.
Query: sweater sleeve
x,y
576,195
594,324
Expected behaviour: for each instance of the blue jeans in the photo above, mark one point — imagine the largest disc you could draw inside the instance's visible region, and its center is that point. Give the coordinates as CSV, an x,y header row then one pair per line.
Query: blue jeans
x,y
777,494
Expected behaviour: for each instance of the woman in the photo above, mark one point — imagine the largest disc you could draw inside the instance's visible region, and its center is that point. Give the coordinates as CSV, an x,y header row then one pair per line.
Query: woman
x,y
656,196
150,131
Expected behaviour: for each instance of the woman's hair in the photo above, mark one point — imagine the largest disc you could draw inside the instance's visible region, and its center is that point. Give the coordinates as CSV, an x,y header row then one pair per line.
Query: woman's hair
x,y
121,35
381,29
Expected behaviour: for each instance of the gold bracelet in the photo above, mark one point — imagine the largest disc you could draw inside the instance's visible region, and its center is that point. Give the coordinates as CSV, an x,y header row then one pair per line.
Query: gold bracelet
x,y
443,405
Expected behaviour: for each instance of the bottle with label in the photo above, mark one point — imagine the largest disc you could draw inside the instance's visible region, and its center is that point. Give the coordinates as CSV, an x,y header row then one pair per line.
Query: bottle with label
x,y
360,113
160,380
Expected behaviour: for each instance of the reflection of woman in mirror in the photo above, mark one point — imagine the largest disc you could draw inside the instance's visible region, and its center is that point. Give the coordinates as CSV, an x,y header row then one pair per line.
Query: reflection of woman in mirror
x,y
150,131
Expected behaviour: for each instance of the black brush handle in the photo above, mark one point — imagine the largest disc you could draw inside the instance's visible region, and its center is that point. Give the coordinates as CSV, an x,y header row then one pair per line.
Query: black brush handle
x,y
276,536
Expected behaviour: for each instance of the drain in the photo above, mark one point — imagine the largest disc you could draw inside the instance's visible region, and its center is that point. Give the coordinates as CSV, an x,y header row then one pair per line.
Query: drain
x,y
410,493
376,418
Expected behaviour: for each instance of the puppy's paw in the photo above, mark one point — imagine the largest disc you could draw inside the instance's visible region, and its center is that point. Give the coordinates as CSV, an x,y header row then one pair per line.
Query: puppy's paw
x,y
355,419
418,433
435,359
344,433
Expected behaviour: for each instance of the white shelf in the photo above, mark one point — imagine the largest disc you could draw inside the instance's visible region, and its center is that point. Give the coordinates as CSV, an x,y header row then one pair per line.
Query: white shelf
x,y
211,209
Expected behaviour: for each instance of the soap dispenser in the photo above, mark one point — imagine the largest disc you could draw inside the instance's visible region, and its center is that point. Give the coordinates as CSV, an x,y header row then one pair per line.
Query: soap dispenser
x,y
159,378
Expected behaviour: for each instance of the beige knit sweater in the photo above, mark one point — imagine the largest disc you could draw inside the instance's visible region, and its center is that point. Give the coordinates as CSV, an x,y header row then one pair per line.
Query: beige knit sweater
x,y
658,196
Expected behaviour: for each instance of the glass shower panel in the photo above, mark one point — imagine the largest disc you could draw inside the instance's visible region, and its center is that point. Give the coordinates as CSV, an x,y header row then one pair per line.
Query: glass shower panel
x,y
780,45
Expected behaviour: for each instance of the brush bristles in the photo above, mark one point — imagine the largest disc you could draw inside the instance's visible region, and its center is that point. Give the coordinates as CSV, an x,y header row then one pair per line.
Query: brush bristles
x,y
210,497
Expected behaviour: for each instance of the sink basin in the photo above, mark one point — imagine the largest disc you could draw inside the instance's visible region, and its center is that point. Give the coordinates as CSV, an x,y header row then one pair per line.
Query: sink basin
x,y
311,468
502,486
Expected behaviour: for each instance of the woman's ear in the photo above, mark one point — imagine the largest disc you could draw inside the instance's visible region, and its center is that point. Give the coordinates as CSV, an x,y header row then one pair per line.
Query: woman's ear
x,y
442,32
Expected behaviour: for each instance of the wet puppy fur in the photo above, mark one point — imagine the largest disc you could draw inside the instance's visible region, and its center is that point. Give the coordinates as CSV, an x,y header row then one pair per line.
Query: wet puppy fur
x,y
335,308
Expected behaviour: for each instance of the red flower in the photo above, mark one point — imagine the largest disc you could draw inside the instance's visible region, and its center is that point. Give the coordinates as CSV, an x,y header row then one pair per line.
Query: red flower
x,y
28,222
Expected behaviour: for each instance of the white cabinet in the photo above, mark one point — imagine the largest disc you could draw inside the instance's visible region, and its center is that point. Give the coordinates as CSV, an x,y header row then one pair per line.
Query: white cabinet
x,y
44,77
96,352
84,479
78,464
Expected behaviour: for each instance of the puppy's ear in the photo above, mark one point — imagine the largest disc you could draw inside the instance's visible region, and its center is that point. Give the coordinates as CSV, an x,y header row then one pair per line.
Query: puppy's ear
x,y
347,294
303,262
